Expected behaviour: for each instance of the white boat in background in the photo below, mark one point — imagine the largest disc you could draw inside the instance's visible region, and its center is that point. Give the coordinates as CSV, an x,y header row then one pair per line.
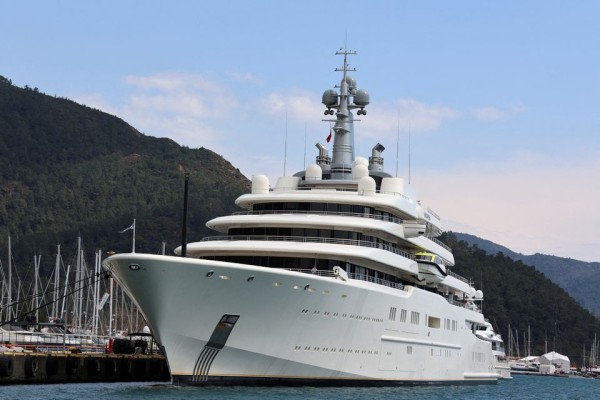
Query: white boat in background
x,y
501,364
526,364
316,282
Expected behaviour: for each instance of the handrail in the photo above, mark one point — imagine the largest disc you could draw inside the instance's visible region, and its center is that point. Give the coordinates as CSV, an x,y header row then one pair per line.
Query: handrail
x,y
304,239
359,277
378,281
433,239
455,275
335,213
386,218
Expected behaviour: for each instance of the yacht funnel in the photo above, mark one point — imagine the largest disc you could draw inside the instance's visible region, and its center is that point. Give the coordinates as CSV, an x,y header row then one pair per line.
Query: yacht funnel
x,y
376,161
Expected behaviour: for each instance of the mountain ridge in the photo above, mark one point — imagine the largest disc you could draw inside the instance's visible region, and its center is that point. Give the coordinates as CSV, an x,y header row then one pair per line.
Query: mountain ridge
x,y
578,278
68,170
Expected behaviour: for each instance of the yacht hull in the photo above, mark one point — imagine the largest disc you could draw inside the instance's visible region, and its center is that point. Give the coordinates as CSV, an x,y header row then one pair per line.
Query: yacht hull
x,y
227,323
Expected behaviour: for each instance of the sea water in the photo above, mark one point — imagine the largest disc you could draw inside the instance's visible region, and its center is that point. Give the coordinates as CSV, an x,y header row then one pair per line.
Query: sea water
x,y
520,387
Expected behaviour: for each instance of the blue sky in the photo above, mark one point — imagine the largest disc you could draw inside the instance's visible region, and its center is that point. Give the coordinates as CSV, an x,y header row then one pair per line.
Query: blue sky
x,y
501,99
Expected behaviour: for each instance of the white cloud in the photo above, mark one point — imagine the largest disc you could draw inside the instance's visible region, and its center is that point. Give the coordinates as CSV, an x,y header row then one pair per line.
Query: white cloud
x,y
383,120
489,113
300,105
173,82
245,77
184,107
496,113
528,204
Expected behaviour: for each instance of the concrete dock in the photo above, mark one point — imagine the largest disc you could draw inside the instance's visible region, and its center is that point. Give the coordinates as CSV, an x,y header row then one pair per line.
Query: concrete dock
x,y
66,367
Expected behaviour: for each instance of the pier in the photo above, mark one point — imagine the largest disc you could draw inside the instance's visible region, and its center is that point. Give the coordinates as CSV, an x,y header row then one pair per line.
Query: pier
x,y
66,367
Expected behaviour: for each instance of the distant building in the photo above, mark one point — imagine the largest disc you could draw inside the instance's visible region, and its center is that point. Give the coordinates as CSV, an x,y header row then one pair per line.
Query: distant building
x,y
562,363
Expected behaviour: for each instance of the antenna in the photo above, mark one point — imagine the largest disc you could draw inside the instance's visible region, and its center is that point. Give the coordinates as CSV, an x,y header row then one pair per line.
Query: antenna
x,y
409,131
285,143
397,144
186,186
304,166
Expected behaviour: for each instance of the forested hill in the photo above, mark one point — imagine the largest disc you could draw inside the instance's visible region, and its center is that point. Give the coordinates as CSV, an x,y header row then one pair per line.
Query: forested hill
x,y
67,169
519,295
579,278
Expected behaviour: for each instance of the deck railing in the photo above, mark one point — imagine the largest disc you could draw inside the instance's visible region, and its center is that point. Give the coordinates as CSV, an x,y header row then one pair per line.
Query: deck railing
x,y
304,239
457,276
334,213
385,218
359,277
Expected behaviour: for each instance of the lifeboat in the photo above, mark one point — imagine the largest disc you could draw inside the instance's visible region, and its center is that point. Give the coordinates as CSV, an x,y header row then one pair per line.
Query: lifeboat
x,y
431,268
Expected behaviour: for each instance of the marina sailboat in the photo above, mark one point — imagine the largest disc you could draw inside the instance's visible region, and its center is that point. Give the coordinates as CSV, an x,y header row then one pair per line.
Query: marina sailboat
x,y
334,276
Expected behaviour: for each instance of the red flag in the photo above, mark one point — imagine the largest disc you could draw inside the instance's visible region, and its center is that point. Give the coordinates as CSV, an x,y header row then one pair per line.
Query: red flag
x,y
329,137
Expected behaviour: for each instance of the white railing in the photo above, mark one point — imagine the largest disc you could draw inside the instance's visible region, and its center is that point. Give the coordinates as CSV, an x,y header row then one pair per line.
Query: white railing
x,y
41,341
334,213
455,275
303,239
359,277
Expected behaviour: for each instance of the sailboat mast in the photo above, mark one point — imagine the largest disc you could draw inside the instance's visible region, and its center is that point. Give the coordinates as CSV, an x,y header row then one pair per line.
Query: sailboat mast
x,y
36,300
9,314
56,283
62,309
96,301
528,340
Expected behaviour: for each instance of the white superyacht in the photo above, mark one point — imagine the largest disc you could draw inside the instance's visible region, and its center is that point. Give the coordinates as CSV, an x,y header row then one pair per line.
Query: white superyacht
x,y
331,277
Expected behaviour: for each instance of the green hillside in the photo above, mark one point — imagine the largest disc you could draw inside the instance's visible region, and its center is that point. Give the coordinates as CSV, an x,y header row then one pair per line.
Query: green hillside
x,y
579,278
518,295
66,169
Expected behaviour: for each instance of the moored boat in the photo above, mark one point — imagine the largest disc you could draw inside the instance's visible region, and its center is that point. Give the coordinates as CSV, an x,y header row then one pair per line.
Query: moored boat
x,y
501,364
317,282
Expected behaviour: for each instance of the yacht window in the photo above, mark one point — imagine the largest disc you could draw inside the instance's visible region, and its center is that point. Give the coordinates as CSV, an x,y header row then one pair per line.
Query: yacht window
x,y
345,208
433,322
403,315
317,207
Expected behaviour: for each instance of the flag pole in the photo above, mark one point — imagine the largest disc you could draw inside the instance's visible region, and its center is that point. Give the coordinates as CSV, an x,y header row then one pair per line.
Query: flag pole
x,y
185,210
133,245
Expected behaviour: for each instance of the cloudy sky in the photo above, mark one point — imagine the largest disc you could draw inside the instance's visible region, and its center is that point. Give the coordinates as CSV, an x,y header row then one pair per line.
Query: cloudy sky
x,y
500,100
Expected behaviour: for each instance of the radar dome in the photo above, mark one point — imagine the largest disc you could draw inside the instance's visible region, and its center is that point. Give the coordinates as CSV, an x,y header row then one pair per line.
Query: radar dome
x,y
350,81
287,183
479,295
392,185
260,184
359,171
361,98
330,97
366,186
314,173
361,161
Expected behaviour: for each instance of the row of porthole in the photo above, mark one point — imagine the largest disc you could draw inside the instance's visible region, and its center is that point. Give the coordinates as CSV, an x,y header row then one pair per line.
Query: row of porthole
x,y
334,350
352,316
308,288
